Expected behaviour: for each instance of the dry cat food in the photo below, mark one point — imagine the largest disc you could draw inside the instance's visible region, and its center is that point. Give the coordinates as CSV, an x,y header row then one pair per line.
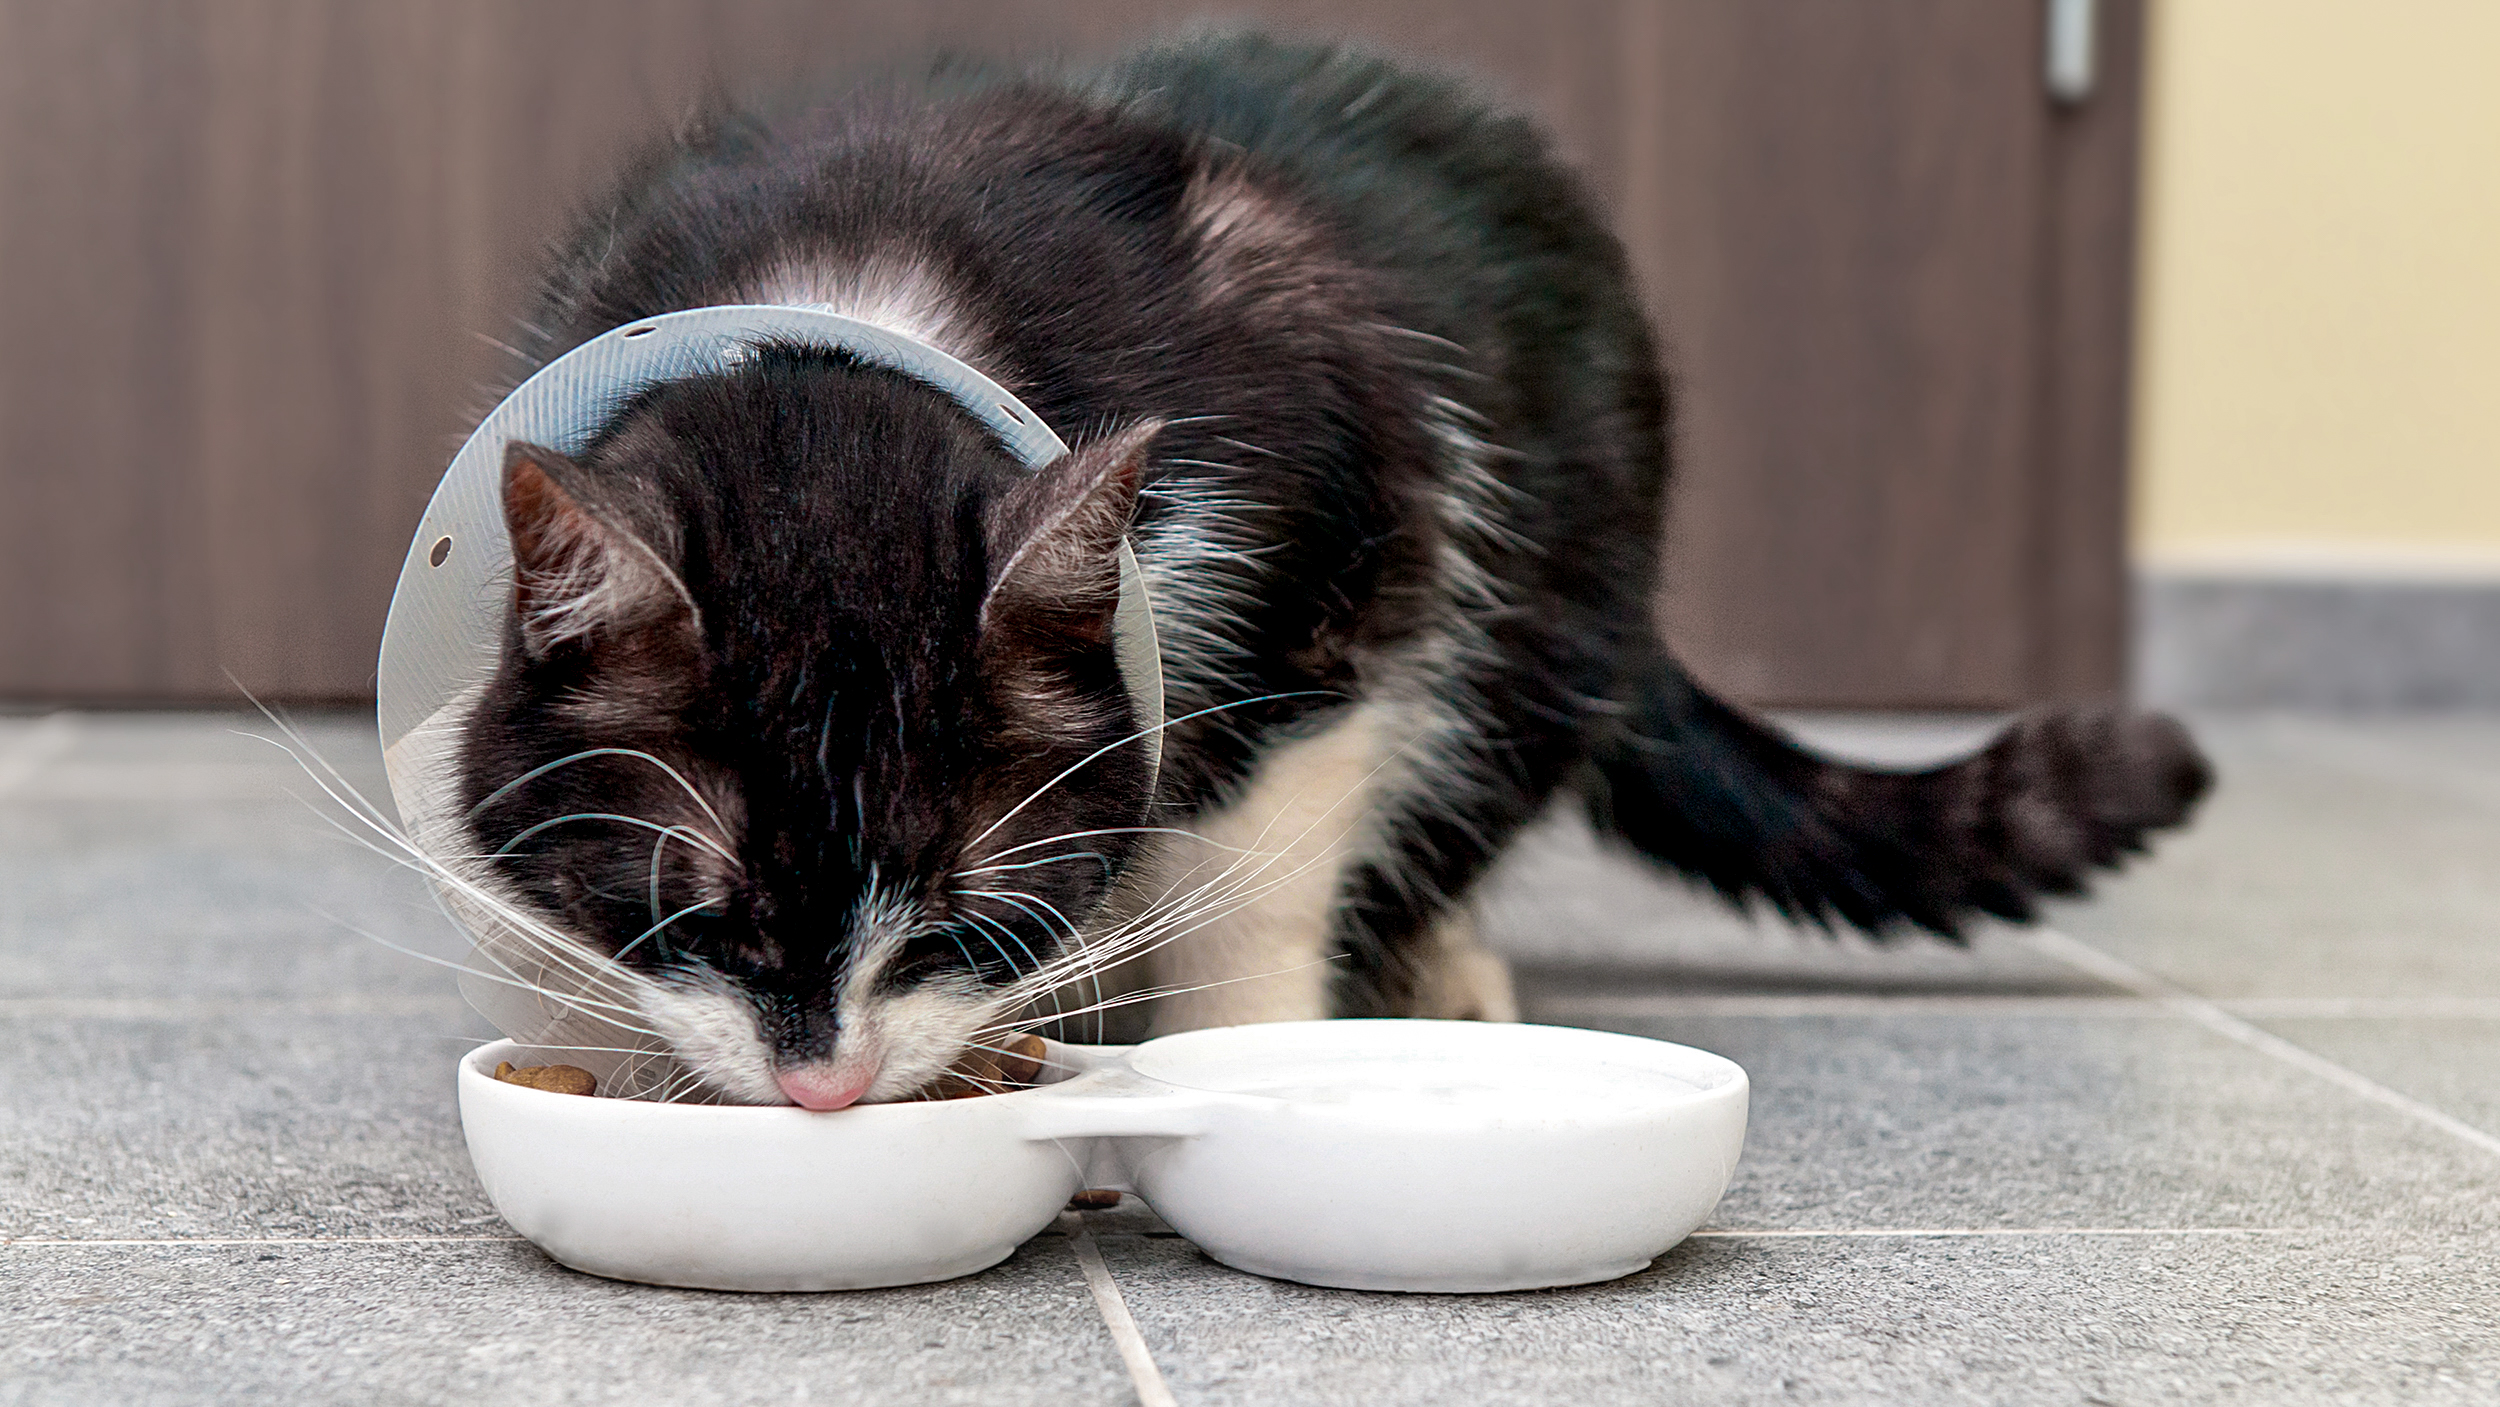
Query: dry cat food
x,y
555,1079
1012,1064
1094,1199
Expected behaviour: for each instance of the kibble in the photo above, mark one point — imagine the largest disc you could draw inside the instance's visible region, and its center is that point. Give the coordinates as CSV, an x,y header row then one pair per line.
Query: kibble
x,y
1012,1064
555,1079
1094,1199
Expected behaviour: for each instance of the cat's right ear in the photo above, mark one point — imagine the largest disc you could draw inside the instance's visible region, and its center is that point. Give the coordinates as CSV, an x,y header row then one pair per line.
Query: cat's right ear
x,y
1057,538
577,572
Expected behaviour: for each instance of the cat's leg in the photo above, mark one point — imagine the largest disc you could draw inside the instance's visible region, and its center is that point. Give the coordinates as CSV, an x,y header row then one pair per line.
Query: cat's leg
x,y
1458,978
1242,903
1334,883
1498,737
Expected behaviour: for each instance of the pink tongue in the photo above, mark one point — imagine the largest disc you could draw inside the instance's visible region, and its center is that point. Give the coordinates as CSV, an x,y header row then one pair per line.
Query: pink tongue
x,y
822,1087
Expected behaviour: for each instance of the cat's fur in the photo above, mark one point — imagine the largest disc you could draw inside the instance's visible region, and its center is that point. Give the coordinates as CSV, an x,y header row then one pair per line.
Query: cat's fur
x,y
1355,365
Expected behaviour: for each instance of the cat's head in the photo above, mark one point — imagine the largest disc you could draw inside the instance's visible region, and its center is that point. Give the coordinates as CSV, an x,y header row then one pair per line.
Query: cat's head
x,y
808,714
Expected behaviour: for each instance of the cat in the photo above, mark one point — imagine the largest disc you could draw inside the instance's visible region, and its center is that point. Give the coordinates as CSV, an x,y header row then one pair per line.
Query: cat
x,y
807,726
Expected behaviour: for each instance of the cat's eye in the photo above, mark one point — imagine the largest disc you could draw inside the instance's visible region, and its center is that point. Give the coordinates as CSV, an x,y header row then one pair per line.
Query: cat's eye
x,y
440,554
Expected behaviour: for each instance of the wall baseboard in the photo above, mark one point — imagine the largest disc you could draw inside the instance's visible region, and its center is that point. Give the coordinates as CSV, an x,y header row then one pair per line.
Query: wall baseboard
x,y
2273,639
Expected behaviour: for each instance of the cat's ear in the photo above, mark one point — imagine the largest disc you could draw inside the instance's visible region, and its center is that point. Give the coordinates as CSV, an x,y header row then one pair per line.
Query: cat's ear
x,y
1056,539
577,571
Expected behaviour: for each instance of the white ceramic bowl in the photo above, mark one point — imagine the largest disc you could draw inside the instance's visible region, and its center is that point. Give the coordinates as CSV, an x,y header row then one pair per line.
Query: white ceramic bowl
x,y
1378,1155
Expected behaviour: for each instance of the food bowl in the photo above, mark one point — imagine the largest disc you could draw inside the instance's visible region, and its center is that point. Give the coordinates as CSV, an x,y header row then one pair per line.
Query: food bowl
x,y
1374,1155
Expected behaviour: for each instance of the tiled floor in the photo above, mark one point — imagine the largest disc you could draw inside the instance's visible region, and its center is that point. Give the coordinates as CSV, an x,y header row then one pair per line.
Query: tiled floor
x,y
2225,1134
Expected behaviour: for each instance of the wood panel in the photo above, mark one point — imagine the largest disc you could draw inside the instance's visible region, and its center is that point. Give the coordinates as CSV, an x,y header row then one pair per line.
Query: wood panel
x,y
254,255
1853,314
2079,636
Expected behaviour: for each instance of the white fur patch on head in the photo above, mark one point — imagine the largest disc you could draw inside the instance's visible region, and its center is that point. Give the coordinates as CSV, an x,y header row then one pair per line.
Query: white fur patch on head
x,y
892,289
895,1043
1253,247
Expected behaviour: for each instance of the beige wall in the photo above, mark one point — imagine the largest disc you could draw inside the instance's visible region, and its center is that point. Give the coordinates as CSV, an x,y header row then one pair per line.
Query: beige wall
x,y
2319,365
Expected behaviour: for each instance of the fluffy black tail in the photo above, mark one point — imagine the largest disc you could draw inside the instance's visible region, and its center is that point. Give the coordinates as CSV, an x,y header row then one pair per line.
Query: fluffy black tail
x,y
1699,786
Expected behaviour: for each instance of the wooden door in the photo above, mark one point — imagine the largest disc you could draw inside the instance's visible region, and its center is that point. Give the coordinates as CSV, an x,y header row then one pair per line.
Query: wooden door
x,y
255,255
1895,280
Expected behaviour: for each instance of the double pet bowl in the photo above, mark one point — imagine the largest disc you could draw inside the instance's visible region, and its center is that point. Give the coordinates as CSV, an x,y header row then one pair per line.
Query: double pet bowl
x,y
1386,1155
1372,1155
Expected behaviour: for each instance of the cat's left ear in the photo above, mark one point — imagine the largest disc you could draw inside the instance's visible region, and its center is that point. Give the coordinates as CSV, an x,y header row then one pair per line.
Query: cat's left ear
x,y
1056,540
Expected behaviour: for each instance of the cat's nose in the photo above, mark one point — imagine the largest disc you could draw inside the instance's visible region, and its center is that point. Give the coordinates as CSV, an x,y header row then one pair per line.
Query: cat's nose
x,y
825,1086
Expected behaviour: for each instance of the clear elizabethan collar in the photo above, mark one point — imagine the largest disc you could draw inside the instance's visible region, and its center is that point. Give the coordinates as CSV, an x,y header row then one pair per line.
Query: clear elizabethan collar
x,y
446,627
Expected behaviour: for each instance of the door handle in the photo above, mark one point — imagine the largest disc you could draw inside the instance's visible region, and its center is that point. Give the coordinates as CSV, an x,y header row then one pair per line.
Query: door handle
x,y
2067,60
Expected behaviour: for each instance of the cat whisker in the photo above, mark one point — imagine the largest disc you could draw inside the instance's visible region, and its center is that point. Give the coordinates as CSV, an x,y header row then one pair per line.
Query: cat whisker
x,y
954,938
1147,994
659,851
675,1089
1015,899
1044,1060
414,859
1020,899
470,971
1088,834
696,837
986,925
1228,892
1093,855
592,1049
536,772
498,930
562,952
1142,733
655,928
1193,911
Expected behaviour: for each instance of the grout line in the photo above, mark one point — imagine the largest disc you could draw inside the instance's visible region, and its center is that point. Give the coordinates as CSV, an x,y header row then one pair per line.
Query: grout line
x,y
2376,760
1827,1004
1877,1231
210,1008
2213,1018
2363,1008
41,743
1807,1004
252,1240
163,781
1152,1391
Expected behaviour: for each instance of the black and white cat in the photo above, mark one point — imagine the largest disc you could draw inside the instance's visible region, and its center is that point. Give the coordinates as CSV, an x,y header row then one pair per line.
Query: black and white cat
x,y
1352,363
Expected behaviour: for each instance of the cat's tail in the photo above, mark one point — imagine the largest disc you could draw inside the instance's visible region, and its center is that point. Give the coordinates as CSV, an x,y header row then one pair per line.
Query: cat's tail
x,y
1701,787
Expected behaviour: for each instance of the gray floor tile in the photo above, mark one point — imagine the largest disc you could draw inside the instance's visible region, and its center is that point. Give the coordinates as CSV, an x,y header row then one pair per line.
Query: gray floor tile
x,y
259,1123
2337,858
1940,1120
231,899
2451,1064
165,855
2320,867
500,1324
1563,901
210,736
2341,1317
197,1044
185,758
